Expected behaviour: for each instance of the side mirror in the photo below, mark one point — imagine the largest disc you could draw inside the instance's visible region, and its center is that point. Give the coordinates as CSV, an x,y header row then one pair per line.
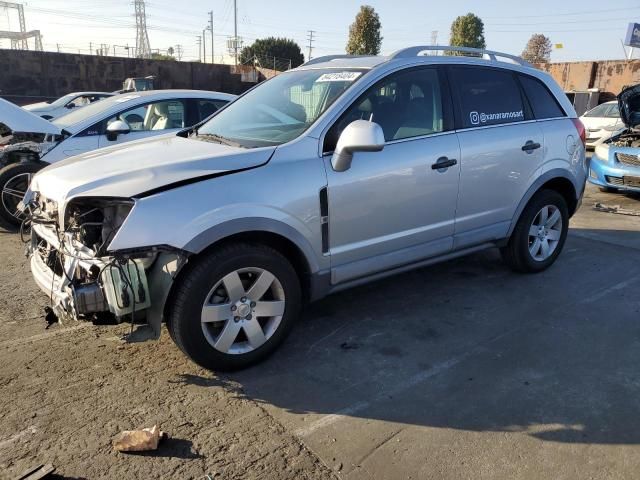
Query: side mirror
x,y
117,128
70,105
359,136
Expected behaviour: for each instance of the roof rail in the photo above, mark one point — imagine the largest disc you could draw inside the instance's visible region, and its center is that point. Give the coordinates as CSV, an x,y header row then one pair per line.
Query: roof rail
x,y
493,56
328,58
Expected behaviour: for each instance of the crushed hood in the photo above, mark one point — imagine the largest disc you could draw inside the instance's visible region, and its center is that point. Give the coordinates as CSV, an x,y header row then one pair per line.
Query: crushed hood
x,y
142,166
629,104
17,119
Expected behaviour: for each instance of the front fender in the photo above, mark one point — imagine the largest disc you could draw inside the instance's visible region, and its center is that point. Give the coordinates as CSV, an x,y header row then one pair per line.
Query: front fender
x,y
289,228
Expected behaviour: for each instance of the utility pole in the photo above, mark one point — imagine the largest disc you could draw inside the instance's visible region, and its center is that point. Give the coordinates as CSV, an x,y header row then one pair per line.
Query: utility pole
x,y
434,41
90,48
199,47
211,28
204,46
235,31
58,47
310,37
179,51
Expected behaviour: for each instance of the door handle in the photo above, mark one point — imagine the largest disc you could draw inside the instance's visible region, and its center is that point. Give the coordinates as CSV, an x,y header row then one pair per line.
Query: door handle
x,y
443,163
530,146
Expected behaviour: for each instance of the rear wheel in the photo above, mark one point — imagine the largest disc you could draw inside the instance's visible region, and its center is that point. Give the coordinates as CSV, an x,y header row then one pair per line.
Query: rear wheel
x,y
234,306
540,233
14,181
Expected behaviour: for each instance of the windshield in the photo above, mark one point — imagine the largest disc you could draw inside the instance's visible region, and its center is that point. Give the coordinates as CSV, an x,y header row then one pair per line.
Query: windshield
x,y
81,114
279,110
62,101
607,110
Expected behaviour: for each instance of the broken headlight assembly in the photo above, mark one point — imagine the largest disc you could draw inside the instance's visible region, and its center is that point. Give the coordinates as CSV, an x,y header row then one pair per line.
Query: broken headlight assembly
x,y
94,222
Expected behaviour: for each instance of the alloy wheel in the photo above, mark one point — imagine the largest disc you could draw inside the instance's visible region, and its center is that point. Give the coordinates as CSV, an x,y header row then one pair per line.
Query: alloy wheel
x,y
13,192
243,310
545,233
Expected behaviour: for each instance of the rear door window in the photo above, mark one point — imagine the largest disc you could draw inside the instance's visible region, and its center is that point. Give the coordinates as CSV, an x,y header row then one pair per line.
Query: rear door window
x,y
486,96
542,101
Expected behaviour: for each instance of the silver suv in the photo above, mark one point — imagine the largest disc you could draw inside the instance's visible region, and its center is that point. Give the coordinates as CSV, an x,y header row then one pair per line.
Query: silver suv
x,y
342,171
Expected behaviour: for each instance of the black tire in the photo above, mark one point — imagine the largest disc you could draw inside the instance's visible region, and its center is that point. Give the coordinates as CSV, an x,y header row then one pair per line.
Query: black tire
x,y
516,254
9,201
194,286
608,189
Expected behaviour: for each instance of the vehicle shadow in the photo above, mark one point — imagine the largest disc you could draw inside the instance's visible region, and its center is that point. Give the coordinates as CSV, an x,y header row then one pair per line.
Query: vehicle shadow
x,y
469,345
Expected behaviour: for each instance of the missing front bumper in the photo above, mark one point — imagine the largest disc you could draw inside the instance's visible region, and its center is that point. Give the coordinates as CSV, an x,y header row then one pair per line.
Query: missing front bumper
x,y
79,284
147,281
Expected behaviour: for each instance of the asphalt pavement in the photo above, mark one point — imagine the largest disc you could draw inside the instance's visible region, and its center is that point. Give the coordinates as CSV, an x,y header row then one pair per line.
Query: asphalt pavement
x,y
468,370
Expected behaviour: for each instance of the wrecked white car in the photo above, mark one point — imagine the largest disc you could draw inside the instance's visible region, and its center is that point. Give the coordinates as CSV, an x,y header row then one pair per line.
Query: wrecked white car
x,y
29,143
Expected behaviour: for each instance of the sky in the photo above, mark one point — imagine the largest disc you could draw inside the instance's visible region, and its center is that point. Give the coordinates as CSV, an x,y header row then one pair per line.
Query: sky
x,y
587,29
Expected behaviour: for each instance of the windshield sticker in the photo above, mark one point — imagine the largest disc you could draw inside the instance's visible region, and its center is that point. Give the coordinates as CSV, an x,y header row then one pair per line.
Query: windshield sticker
x,y
339,77
127,98
480,118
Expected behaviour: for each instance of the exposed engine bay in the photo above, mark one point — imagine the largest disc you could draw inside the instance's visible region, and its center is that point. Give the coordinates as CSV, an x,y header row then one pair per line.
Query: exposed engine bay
x,y
85,281
628,138
22,147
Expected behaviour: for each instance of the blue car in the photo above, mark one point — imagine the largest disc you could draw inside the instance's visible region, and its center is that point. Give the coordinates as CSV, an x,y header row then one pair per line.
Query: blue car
x,y
615,164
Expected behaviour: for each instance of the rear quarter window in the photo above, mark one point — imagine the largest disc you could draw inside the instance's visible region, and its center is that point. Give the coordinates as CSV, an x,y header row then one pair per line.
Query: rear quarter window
x,y
487,96
542,101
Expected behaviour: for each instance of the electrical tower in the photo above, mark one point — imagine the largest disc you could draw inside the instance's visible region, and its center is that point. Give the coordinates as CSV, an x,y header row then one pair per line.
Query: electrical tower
x,y
310,37
19,39
143,48
434,40
179,51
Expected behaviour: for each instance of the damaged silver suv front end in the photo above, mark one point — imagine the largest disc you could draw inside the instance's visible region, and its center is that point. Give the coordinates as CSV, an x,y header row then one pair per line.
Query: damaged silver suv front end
x,y
71,262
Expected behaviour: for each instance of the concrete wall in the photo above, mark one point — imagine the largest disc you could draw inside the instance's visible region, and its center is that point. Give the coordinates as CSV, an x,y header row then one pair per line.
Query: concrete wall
x,y
29,77
610,76
34,76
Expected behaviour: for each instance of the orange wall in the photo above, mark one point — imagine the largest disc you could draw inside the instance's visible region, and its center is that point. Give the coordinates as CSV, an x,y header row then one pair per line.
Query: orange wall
x,y
610,76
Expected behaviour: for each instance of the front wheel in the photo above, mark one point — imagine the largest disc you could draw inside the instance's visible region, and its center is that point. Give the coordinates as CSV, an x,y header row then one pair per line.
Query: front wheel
x,y
14,181
234,306
540,233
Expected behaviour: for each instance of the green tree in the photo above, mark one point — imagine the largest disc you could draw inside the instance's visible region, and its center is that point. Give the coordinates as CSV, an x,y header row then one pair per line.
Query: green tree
x,y
467,31
160,56
538,49
364,33
264,50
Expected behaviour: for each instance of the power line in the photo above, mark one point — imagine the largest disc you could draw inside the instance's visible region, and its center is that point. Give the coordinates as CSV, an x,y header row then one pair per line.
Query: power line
x,y
583,12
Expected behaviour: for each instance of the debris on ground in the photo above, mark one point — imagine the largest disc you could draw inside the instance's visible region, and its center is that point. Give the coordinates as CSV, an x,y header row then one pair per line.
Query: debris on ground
x,y
37,472
615,209
138,440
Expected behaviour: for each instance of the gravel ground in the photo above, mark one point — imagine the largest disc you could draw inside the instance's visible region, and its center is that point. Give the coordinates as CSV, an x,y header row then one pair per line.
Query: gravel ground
x,y
67,391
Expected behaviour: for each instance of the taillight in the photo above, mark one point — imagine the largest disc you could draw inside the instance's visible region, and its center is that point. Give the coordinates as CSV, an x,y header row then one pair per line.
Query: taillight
x,y
582,132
